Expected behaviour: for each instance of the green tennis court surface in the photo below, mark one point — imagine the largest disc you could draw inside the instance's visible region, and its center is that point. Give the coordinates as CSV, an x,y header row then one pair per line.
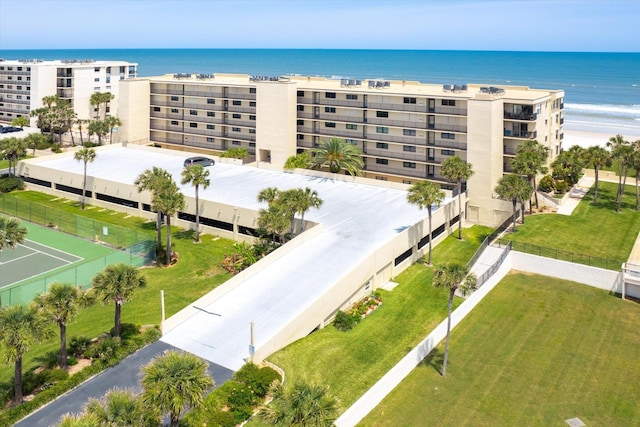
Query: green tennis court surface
x,y
31,259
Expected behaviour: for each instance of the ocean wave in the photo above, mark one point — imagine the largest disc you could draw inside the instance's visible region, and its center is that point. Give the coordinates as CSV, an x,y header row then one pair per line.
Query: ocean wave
x,y
628,111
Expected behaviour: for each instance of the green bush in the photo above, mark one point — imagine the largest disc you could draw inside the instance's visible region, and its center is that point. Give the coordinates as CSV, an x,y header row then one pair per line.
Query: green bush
x,y
561,187
259,379
104,350
346,321
56,148
242,395
10,183
236,153
72,361
220,418
127,330
78,345
546,184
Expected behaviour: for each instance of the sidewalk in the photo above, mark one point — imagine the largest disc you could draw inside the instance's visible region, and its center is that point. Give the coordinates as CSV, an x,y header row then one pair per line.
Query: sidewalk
x,y
576,195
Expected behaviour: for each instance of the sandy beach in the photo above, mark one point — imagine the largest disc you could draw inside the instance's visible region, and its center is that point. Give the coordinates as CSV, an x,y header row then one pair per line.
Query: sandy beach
x,y
587,139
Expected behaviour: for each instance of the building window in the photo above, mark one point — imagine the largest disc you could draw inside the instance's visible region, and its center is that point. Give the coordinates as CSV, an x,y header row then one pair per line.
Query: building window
x,y
236,116
352,96
252,131
193,112
300,93
209,139
193,125
300,122
252,117
96,89
406,181
236,102
96,69
449,102
175,98
252,103
448,152
329,109
448,135
329,124
330,95
156,109
300,136
211,101
300,107
252,144
382,145
234,142
382,129
236,130
409,100
381,178
352,126
211,114
211,127
351,141
410,165
382,161
409,132
97,79
252,90
383,114
409,148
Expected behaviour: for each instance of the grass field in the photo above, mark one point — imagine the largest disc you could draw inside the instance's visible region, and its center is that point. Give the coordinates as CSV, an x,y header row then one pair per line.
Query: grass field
x,y
351,362
536,351
596,230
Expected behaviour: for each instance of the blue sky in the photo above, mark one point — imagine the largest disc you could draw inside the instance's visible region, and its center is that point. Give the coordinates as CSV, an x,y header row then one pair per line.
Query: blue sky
x,y
541,25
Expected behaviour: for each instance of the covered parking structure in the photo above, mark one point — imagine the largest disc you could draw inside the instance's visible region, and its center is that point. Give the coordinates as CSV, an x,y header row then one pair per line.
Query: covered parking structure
x,y
364,234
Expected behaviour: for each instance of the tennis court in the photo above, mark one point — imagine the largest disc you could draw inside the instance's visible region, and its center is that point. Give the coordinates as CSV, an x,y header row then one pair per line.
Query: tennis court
x,y
31,259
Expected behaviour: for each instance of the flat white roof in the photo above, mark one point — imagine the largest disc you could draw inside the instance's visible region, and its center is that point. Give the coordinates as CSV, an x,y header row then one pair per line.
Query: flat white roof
x,y
357,219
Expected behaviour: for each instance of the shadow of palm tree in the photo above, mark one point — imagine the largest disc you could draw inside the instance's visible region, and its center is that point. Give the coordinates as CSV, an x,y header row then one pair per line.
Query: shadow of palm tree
x,y
435,359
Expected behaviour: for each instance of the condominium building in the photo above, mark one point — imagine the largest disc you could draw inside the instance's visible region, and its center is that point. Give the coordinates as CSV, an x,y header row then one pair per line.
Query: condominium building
x,y
405,129
23,84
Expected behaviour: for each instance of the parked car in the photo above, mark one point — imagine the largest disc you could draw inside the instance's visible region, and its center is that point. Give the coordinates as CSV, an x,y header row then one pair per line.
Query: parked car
x,y
9,129
198,160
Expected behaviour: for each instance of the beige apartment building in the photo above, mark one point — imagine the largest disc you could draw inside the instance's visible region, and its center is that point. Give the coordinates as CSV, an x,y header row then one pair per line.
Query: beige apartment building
x,y
23,84
405,129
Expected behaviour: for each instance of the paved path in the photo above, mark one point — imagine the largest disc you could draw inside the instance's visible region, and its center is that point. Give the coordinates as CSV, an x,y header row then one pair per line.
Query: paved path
x,y
124,375
576,195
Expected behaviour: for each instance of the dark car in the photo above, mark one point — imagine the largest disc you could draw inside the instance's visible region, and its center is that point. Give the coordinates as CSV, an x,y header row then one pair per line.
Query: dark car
x,y
8,129
202,161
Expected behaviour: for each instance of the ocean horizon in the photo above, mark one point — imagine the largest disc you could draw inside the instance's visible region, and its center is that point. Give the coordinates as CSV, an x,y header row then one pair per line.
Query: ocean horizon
x,y
602,90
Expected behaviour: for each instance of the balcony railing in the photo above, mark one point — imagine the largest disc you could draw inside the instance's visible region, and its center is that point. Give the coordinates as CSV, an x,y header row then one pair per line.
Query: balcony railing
x,y
520,134
520,116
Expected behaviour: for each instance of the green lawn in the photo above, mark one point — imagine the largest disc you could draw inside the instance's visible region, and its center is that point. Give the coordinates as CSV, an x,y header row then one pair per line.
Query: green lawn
x,y
536,351
596,230
351,362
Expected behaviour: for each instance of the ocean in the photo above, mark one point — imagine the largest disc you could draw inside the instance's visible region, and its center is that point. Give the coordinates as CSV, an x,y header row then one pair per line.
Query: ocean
x,y
602,90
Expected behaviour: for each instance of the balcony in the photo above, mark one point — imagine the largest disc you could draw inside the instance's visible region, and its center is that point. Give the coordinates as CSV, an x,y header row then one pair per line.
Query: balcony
x,y
522,116
520,134
509,151
400,155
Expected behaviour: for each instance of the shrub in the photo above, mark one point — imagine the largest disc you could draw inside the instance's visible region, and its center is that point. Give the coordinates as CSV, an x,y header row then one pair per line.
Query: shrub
x,y
103,350
561,187
259,379
127,330
236,153
72,361
49,378
78,346
10,183
241,395
546,184
56,148
346,321
220,418
301,161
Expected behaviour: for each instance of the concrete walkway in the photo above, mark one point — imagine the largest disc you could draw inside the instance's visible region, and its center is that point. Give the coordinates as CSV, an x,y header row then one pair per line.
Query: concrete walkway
x,y
576,195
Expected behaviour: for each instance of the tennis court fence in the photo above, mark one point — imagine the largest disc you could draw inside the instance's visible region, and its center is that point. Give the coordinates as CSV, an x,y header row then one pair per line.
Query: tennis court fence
x,y
133,248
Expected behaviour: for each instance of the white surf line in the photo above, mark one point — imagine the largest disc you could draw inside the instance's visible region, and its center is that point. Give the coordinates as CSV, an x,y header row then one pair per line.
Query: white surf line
x,y
53,249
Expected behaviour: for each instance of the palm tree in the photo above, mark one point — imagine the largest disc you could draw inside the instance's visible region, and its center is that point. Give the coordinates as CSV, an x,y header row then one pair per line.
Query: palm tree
x,y
530,160
61,305
336,154
514,188
79,420
175,382
622,152
457,170
153,180
80,123
21,326
452,276
33,141
85,155
20,121
169,200
99,128
305,200
426,194
122,408
112,122
597,157
304,405
97,100
11,234
301,161
197,176
12,149
116,283
268,194
274,221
